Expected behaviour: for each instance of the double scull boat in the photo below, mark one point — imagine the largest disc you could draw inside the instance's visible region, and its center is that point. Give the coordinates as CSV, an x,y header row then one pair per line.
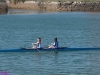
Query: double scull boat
x,y
46,49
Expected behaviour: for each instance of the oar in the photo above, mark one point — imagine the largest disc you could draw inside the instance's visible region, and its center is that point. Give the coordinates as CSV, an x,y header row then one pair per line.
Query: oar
x,y
33,44
38,50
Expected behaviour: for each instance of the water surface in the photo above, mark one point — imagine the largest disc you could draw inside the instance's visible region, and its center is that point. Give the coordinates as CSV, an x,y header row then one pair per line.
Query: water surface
x,y
73,29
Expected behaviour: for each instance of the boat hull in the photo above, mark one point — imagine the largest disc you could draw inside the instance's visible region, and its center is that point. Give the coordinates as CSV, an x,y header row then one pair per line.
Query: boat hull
x,y
47,49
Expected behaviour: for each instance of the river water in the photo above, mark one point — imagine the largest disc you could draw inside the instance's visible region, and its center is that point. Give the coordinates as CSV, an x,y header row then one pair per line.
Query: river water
x,y
19,28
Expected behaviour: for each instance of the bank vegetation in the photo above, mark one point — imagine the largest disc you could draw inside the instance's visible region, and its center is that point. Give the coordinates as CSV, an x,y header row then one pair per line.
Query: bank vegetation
x,y
56,5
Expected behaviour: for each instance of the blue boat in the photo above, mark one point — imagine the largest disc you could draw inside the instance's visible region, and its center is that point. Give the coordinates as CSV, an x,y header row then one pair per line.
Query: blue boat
x,y
47,49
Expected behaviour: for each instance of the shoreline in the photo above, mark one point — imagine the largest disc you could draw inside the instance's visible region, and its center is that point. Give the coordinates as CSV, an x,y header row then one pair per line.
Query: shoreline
x,y
57,6
3,8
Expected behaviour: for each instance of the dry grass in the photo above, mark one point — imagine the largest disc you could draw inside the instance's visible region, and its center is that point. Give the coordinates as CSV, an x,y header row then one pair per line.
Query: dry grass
x,y
72,0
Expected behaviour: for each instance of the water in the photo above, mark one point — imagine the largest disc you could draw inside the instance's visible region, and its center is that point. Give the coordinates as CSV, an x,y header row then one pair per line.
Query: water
x,y
73,29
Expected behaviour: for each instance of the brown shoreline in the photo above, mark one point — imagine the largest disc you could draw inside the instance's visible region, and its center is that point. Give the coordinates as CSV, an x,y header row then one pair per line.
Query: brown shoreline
x,y
3,8
58,6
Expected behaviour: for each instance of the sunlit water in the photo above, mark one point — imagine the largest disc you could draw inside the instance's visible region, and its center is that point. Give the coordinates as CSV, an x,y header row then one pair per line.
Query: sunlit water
x,y
73,29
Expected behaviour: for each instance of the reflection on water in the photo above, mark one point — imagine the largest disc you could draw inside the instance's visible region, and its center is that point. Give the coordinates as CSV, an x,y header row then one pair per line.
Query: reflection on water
x,y
19,11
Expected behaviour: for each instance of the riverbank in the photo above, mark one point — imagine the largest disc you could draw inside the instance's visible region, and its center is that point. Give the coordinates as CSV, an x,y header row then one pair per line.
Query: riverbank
x,y
57,6
3,7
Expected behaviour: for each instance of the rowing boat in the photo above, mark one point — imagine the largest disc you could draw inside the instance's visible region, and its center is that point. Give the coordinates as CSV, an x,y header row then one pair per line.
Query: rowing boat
x,y
46,49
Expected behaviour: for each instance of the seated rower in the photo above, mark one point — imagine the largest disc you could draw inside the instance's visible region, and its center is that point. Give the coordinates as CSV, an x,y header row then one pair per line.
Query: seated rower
x,y
37,44
55,44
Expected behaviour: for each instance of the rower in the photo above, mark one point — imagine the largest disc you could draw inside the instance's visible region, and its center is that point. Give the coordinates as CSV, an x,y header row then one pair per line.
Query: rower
x,y
55,44
37,44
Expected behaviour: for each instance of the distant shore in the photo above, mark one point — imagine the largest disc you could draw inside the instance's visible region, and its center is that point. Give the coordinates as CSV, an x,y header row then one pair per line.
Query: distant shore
x,y
3,7
57,6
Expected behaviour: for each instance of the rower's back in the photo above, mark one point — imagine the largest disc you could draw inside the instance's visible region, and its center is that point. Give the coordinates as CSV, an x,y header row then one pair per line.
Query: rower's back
x,y
55,43
39,43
